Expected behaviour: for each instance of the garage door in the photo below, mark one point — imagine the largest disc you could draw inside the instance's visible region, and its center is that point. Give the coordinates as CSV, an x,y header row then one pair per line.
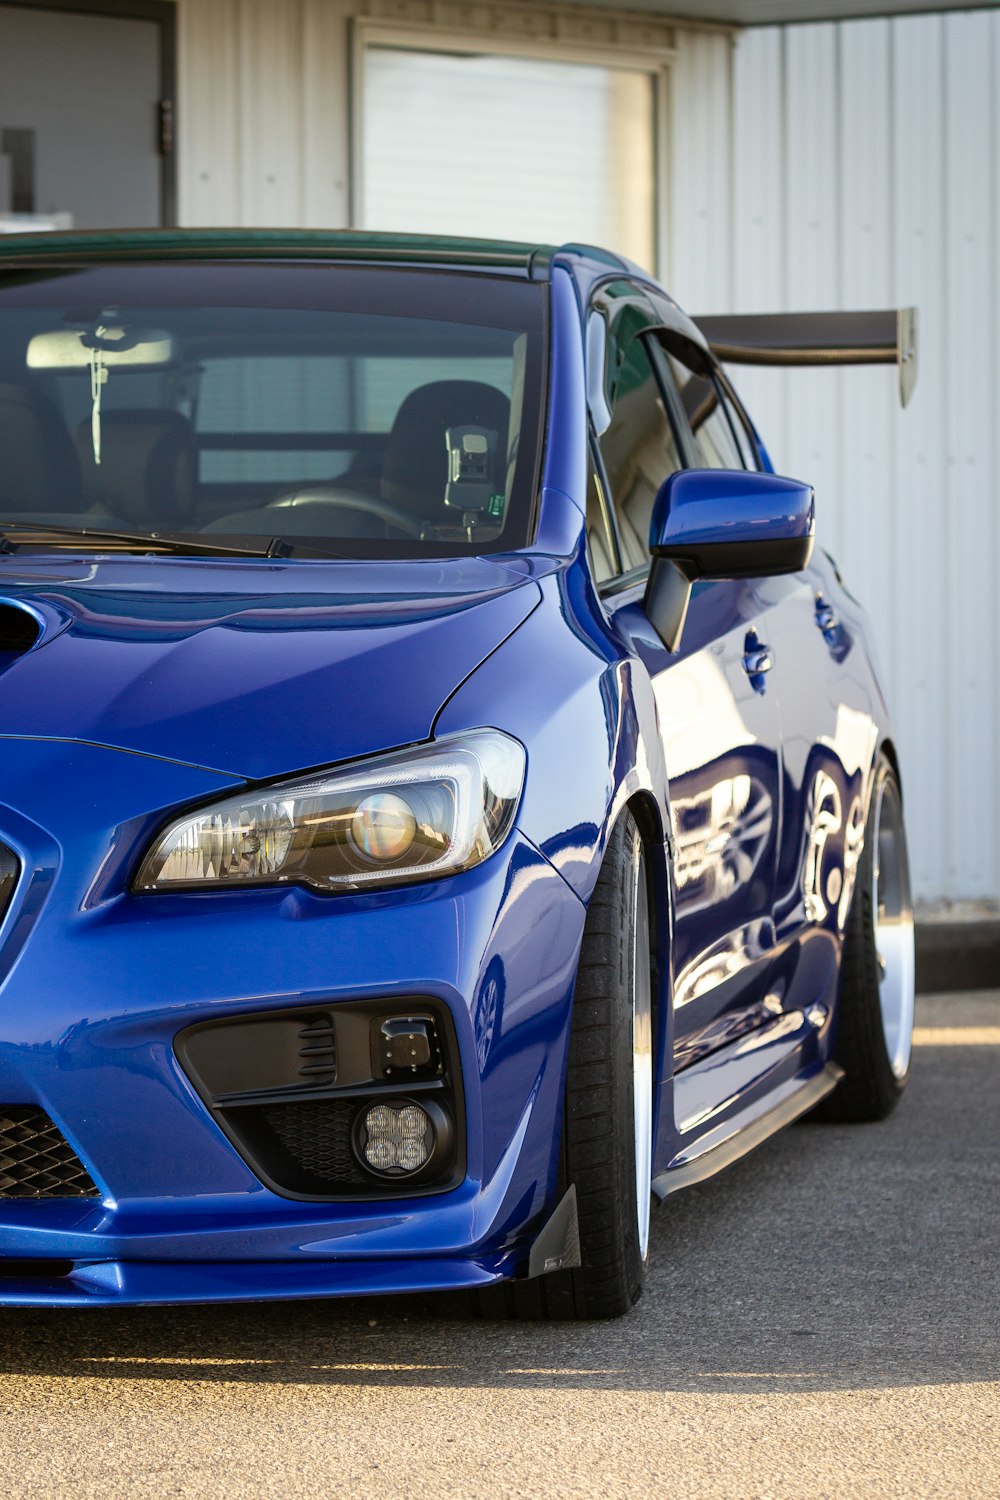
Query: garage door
x,y
508,147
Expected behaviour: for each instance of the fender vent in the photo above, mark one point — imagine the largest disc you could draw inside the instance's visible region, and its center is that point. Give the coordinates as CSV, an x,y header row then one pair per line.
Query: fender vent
x,y
10,869
19,630
36,1160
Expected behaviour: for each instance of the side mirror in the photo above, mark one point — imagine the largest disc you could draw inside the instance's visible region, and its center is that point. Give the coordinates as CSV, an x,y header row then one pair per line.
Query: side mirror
x,y
722,523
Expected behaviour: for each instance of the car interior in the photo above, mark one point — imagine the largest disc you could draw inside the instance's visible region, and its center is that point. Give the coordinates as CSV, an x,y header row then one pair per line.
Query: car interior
x,y
251,431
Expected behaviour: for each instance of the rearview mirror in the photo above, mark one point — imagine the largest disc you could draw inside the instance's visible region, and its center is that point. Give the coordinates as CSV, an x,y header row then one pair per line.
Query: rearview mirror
x,y
722,523
72,349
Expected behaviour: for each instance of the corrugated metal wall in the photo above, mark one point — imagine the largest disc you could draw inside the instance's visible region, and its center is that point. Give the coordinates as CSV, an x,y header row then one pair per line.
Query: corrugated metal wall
x,y
858,165
817,166
263,112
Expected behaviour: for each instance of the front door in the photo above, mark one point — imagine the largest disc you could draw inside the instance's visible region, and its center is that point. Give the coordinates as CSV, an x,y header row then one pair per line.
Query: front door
x,y
719,725
717,712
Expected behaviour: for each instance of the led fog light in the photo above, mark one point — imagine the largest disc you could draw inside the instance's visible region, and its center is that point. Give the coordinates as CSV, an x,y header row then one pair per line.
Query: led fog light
x,y
399,1139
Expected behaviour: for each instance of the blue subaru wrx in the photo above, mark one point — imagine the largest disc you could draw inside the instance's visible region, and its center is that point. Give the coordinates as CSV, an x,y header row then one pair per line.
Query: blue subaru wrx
x,y
445,799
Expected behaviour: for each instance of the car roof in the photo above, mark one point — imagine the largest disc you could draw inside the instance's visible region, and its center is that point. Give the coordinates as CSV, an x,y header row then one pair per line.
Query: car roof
x,y
589,264
290,244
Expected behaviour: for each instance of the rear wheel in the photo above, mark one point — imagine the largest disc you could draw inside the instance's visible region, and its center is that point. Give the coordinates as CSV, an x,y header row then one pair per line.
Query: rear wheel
x,y
875,1015
608,1114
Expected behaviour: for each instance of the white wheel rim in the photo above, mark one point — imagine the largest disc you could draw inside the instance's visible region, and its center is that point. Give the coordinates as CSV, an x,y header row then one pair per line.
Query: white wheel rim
x,y
892,907
642,1055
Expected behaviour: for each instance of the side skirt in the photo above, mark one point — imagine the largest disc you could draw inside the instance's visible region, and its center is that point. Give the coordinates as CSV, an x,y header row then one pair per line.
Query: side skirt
x,y
741,1141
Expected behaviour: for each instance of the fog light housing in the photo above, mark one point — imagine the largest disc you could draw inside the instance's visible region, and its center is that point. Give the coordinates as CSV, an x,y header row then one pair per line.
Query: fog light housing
x,y
404,1138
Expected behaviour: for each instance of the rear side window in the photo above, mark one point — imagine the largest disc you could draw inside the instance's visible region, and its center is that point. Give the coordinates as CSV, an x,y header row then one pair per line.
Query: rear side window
x,y
639,452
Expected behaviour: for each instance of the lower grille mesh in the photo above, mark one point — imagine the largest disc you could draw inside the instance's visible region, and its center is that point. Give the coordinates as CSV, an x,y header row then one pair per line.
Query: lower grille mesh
x,y
304,1147
36,1160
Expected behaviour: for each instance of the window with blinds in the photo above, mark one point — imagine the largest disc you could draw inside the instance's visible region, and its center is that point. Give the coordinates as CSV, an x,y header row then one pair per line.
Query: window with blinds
x,y
509,148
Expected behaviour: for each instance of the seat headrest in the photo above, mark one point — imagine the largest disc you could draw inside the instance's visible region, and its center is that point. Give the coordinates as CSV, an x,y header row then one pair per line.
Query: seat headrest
x,y
415,468
39,473
149,465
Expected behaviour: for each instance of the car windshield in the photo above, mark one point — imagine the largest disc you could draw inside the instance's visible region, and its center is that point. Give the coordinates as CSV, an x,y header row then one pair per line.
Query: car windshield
x,y
359,411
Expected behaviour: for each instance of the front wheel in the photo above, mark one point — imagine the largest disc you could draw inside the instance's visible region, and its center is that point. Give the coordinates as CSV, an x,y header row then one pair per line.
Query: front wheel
x,y
607,1140
877,982
608,1128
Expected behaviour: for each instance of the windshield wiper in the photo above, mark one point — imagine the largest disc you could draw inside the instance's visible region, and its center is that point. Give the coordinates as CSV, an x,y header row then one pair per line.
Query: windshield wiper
x,y
15,535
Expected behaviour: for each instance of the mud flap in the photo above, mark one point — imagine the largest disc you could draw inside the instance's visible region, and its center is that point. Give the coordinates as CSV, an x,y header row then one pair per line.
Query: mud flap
x,y
557,1248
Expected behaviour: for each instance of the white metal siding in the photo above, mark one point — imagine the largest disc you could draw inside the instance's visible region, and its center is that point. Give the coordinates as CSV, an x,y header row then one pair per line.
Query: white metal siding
x,y
864,171
263,112
823,166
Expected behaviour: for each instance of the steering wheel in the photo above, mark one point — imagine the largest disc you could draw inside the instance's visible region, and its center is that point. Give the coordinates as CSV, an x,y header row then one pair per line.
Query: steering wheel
x,y
369,505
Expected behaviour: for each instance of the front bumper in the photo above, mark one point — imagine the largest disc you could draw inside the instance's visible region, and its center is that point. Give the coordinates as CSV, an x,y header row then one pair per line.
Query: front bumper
x,y
95,984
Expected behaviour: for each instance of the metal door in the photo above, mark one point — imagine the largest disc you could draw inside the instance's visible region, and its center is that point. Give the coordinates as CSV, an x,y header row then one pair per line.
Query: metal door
x,y
83,120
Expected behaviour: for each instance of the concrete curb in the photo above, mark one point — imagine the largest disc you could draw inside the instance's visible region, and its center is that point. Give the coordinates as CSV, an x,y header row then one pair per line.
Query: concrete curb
x,y
957,956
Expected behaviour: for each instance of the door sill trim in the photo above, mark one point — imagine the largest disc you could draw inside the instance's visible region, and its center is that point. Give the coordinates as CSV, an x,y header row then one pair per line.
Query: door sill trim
x,y
743,1141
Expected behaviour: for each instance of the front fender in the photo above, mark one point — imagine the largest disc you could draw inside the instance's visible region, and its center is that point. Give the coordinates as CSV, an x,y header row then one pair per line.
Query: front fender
x,y
572,692
582,705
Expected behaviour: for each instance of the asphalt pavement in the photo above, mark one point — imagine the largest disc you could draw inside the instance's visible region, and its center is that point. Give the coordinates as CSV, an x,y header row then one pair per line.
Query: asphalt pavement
x,y
823,1319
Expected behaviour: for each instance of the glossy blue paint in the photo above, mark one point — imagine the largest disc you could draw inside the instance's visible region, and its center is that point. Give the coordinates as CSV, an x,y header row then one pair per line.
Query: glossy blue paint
x,y
159,682
719,507
250,666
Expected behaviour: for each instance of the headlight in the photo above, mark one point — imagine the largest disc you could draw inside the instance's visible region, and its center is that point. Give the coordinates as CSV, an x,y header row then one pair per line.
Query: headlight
x,y
410,816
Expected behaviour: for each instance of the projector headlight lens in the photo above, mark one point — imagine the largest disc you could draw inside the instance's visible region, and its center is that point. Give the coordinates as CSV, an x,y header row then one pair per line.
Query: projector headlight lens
x,y
393,819
383,827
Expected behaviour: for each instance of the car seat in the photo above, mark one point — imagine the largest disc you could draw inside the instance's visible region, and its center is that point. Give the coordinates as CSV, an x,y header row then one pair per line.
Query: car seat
x,y
149,466
39,472
415,468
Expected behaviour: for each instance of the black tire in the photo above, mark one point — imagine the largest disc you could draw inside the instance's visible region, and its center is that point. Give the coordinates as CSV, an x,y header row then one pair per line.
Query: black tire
x,y
870,1088
598,1152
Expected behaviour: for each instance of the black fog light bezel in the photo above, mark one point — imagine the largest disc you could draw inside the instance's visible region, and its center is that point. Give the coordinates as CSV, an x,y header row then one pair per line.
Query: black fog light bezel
x,y
242,1105
441,1151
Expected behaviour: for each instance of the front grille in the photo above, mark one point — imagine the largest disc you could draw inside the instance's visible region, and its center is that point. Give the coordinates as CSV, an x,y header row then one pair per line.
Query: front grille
x,y
304,1146
36,1160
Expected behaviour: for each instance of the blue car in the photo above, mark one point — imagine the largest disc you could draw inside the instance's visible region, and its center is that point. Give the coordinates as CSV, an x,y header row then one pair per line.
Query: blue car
x,y
447,801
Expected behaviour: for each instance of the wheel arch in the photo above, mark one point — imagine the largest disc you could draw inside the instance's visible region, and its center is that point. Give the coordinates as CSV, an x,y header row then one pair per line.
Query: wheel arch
x,y
646,811
888,749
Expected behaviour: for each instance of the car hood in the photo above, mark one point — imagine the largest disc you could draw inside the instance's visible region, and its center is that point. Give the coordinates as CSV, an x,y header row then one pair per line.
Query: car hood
x,y
254,668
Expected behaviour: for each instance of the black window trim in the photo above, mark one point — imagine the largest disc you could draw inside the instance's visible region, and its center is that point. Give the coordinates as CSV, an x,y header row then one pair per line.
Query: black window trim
x,y
609,516
736,406
653,340
623,581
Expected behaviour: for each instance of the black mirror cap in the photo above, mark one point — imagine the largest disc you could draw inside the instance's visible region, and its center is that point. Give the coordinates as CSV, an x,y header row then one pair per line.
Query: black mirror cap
x,y
744,559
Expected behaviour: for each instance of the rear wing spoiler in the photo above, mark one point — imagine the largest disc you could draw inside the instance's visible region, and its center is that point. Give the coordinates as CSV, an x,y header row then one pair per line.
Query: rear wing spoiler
x,y
825,338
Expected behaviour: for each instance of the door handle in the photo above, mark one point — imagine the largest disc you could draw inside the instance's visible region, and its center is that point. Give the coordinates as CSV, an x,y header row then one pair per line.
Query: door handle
x,y
826,616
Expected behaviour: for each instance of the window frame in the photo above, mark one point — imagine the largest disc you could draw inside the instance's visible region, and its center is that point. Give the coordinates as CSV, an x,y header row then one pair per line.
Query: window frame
x,y
553,33
739,413
638,299
655,335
